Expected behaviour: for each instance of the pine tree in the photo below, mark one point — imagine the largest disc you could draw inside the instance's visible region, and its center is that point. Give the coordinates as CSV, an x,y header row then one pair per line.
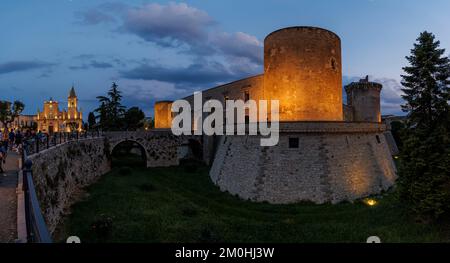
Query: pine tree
x,y
424,172
111,111
91,120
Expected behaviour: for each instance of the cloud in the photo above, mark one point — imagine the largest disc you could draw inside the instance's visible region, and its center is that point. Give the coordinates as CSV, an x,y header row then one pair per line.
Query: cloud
x,y
92,64
239,45
96,64
196,73
16,66
390,94
213,55
93,17
185,28
84,56
146,90
44,75
168,25
81,67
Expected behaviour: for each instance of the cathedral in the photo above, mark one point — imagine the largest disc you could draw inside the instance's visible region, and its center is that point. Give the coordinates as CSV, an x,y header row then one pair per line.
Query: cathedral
x,y
51,119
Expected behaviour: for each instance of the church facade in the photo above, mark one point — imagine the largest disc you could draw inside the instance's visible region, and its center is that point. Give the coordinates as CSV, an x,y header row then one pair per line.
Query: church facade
x,y
52,119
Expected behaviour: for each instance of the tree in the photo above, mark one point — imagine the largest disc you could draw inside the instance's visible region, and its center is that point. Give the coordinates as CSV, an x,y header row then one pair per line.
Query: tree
x,y
111,110
149,123
102,115
8,111
134,118
424,172
397,128
91,120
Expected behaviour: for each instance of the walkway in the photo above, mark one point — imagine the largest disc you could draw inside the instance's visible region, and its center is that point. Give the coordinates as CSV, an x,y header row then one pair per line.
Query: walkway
x,y
8,199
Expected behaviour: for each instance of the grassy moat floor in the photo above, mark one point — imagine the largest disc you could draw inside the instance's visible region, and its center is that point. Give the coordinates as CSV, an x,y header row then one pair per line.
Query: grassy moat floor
x,y
173,205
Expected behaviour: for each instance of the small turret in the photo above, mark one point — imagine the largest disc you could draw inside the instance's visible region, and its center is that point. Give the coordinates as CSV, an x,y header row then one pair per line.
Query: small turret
x,y
364,98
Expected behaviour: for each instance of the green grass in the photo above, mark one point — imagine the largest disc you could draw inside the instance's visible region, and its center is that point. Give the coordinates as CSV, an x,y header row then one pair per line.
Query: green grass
x,y
171,205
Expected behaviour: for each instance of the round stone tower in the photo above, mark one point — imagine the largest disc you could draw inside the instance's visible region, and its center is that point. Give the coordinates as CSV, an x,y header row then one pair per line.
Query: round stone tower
x,y
302,69
163,114
364,98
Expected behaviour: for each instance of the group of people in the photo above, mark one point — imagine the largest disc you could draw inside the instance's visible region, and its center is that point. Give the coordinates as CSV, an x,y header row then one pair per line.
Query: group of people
x,y
10,141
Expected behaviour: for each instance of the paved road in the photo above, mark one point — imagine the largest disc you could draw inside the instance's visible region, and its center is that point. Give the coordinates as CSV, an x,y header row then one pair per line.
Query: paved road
x,y
8,199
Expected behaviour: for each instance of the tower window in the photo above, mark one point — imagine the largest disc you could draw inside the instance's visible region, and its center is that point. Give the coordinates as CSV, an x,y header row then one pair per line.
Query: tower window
x,y
333,64
246,96
294,143
225,98
378,138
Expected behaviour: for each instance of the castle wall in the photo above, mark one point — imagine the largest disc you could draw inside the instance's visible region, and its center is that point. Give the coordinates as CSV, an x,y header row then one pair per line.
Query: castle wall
x,y
234,90
348,112
333,163
60,172
302,69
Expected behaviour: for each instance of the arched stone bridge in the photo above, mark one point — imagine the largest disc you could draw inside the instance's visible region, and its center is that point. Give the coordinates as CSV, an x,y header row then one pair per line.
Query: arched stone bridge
x,y
161,147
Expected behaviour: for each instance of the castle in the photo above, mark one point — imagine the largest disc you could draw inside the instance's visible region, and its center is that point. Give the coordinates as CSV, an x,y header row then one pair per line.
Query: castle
x,y
51,119
328,151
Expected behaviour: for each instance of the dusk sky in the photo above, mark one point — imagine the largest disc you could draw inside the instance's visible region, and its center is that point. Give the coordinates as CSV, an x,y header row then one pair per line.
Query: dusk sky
x,y
158,50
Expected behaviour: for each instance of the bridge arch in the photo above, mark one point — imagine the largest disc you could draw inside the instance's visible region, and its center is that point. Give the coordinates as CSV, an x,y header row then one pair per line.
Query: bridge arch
x,y
129,146
162,147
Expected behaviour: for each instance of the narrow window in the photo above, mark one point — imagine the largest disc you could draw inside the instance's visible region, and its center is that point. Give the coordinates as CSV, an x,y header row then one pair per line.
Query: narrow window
x,y
246,96
213,124
333,64
293,142
225,98
378,138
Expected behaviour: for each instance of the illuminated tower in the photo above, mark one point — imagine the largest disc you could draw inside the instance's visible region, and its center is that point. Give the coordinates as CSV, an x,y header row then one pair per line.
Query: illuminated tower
x,y
302,69
163,114
72,104
74,118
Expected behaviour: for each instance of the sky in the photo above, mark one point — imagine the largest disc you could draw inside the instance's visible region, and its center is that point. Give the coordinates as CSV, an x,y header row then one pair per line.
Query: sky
x,y
159,50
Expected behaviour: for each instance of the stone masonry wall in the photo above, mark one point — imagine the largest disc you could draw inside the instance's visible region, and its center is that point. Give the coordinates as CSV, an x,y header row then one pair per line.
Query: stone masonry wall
x,y
161,146
327,167
60,172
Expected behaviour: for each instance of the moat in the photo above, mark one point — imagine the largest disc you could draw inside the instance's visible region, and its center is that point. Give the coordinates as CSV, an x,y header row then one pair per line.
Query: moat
x,y
180,204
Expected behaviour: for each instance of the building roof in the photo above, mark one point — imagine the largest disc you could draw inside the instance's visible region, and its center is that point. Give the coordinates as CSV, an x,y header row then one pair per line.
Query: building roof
x,y
72,93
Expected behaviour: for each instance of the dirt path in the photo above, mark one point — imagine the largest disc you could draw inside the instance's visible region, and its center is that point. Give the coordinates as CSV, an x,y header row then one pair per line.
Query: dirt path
x,y
8,199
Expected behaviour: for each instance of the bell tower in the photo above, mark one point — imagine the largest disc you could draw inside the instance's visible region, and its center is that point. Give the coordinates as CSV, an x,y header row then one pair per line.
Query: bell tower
x,y
72,101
